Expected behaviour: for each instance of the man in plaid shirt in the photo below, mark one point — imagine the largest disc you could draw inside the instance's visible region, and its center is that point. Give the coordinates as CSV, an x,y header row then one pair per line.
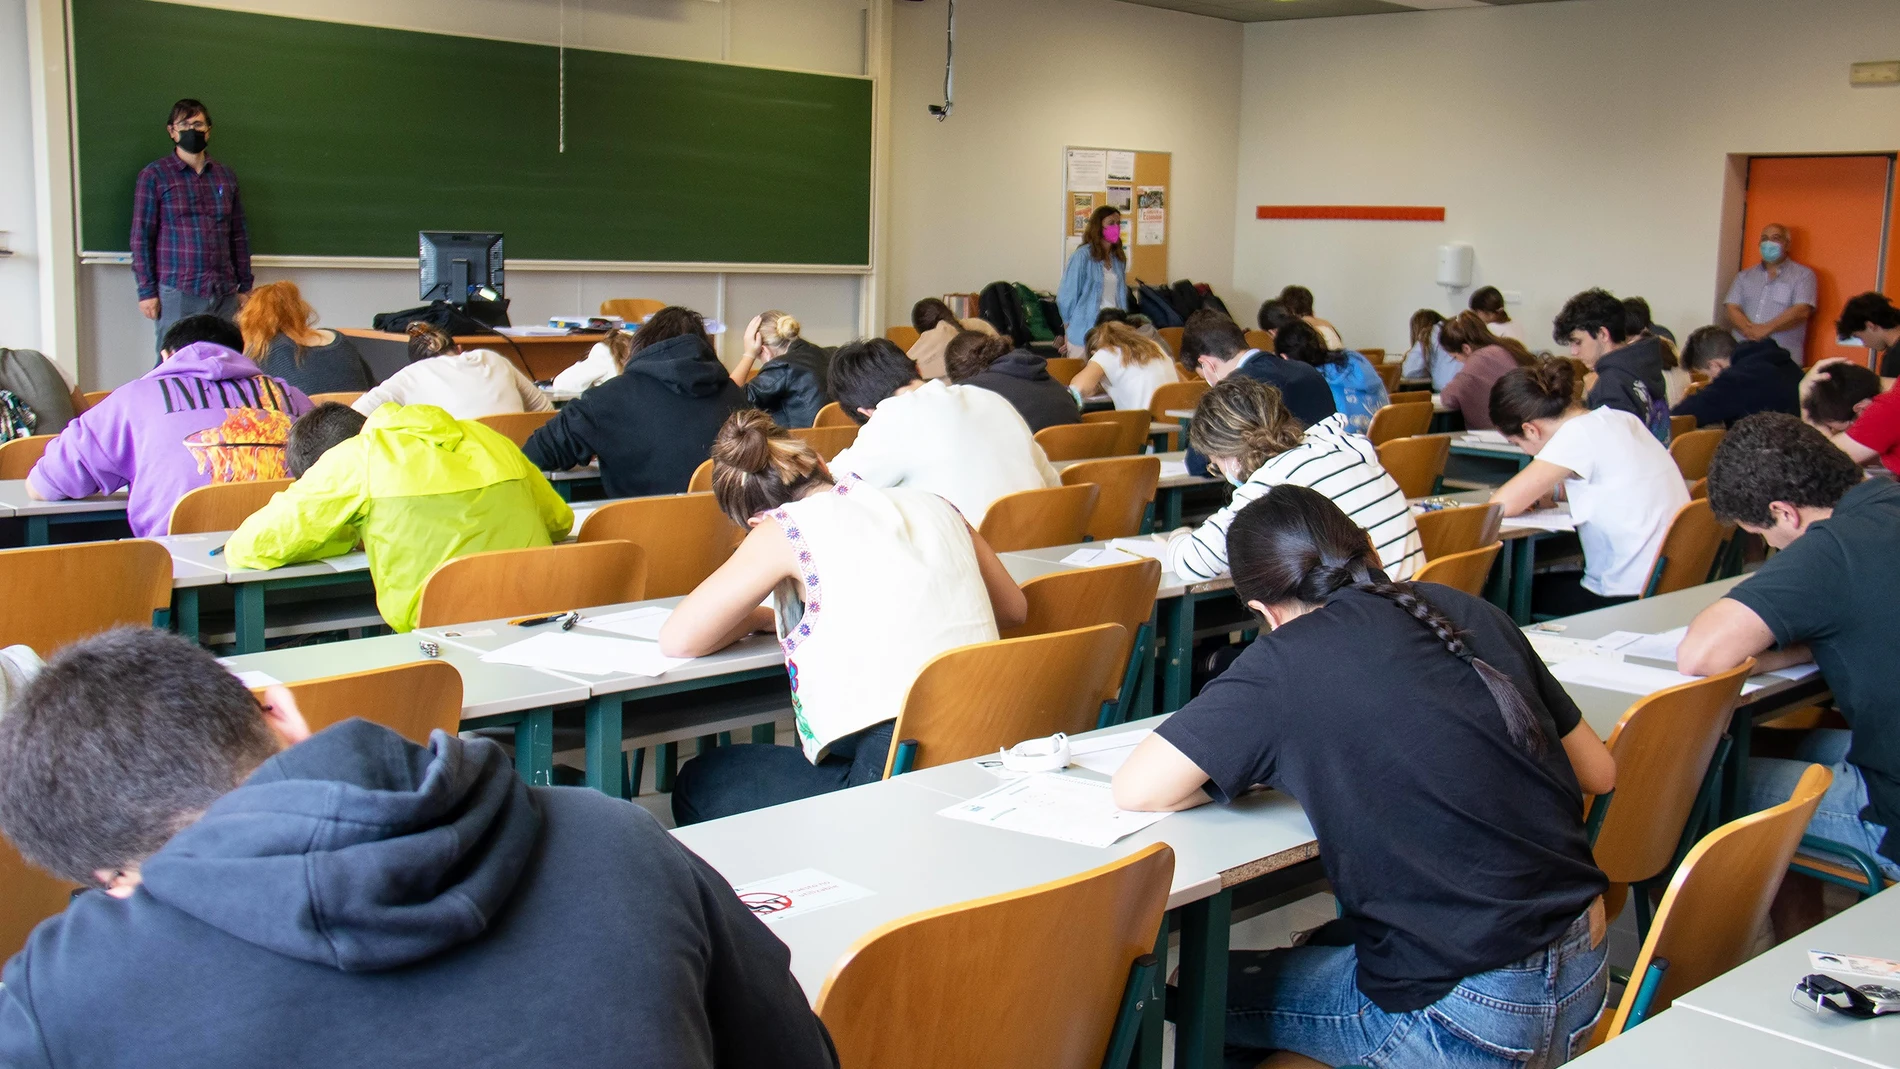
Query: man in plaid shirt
x,y
190,253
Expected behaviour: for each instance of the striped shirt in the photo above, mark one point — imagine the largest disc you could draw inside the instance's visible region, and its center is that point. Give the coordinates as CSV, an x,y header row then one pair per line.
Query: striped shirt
x,y
1342,466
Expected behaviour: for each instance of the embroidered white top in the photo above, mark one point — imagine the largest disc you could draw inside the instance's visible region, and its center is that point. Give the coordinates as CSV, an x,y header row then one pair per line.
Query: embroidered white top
x,y
890,581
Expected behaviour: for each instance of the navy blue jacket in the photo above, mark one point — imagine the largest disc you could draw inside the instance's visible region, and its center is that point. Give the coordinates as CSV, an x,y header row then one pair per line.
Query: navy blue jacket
x,y
1761,377
363,901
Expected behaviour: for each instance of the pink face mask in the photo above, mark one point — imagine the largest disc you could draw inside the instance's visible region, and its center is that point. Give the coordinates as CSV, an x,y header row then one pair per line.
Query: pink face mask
x,y
1112,233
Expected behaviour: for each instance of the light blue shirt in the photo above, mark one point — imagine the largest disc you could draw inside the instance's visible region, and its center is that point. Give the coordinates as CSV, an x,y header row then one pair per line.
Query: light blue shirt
x,y
1439,365
1079,297
1762,298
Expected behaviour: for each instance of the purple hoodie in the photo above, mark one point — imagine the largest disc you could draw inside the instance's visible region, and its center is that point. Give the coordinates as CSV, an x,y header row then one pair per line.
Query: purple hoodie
x,y
207,415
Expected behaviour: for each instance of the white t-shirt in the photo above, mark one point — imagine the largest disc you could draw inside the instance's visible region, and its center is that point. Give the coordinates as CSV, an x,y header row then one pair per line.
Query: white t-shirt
x,y
962,443
856,640
469,385
589,373
1626,492
1132,386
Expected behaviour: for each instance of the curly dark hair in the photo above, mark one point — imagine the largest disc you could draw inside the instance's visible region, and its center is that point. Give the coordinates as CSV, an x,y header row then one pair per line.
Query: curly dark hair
x,y
1867,309
1591,311
1772,456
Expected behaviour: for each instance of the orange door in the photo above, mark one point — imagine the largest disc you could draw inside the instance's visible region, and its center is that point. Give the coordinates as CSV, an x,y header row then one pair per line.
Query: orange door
x,y
1836,208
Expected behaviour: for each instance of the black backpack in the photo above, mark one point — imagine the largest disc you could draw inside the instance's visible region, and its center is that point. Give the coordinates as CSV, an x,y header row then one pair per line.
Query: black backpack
x,y
447,316
1003,309
1156,305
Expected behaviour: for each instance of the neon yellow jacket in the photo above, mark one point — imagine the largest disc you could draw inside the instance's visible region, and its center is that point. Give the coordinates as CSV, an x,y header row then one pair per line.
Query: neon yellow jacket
x,y
417,487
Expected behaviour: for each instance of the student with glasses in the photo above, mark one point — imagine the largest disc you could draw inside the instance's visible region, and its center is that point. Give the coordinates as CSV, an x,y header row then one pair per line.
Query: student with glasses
x,y
190,251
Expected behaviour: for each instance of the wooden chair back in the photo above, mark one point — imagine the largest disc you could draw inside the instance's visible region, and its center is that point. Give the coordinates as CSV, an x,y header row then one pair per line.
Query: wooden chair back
x,y
1027,978
631,309
1465,571
30,897
93,397
1175,395
222,506
1688,550
18,456
1416,463
516,426
833,415
1459,530
1033,519
1409,397
1064,369
684,536
1662,747
904,337
1171,337
1699,490
974,700
81,589
411,699
1084,597
701,482
827,441
1259,339
1374,355
339,397
1399,421
1389,375
543,579
1692,450
1127,489
1079,441
1130,424
1680,425
1719,898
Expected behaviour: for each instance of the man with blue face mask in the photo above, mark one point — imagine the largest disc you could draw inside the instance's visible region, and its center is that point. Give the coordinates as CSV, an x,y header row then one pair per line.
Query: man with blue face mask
x,y
1774,298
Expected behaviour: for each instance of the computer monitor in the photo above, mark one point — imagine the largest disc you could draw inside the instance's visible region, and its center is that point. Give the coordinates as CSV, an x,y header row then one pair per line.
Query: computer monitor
x,y
460,267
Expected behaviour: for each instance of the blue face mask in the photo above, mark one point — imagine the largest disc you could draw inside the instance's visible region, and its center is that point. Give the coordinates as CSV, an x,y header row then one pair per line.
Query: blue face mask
x,y
1232,479
1771,251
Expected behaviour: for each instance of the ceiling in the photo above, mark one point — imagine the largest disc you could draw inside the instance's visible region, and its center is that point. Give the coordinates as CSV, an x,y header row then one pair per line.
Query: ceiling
x,y
1278,10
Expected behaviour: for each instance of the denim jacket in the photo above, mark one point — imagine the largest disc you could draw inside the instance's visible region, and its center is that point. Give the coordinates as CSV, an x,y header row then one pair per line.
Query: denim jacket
x,y
1079,297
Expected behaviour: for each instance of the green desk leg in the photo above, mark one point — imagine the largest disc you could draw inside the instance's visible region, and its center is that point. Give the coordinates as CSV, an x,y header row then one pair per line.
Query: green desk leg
x,y
185,612
603,745
1177,677
1525,551
1200,1022
248,599
1498,589
38,531
1154,1016
534,747
666,764
563,488
764,734
1168,500
1735,775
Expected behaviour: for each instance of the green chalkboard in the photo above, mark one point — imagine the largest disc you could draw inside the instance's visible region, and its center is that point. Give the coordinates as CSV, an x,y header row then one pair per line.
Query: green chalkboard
x,y
347,140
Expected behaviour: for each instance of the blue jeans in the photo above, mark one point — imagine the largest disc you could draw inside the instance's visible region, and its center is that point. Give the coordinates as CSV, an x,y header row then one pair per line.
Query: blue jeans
x,y
174,305
1771,781
1530,1014
739,779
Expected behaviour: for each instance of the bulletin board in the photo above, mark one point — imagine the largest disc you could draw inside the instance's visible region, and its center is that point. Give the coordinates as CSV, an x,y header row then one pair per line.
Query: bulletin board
x,y
1137,184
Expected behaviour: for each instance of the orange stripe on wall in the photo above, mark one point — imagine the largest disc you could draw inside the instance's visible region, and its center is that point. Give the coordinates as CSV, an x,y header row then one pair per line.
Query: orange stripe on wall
x,y
1376,212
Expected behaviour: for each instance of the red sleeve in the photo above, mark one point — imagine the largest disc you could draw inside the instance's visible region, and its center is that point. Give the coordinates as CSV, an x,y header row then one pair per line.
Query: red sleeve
x,y
1878,428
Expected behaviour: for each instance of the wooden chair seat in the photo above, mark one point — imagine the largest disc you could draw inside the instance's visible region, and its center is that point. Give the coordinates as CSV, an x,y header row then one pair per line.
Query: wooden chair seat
x,y
833,415
522,582
684,536
1064,369
1465,571
1127,492
1459,530
1416,464
411,699
1078,441
1033,519
632,309
81,589
1132,424
827,441
1693,449
223,506
18,456
1399,421
517,427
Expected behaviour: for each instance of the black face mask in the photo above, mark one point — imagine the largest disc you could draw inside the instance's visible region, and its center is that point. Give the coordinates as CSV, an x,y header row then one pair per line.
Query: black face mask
x,y
192,140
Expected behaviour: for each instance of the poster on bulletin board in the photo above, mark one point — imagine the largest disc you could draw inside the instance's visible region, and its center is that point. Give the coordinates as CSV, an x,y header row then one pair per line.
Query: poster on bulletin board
x,y
1135,183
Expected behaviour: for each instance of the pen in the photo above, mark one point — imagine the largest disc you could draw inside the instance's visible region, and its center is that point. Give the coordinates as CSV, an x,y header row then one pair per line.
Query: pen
x,y
568,620
215,550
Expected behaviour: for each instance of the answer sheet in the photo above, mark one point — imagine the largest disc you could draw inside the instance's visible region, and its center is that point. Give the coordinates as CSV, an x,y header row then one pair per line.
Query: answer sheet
x,y
1650,647
1174,469
644,622
1627,678
587,655
1542,520
1142,546
1054,806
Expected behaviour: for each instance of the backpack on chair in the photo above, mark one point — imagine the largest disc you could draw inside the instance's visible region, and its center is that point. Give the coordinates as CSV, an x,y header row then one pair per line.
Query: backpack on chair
x,y
1003,309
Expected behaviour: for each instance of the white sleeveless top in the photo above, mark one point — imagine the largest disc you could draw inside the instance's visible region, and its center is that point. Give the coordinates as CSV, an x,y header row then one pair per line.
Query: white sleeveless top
x,y
892,581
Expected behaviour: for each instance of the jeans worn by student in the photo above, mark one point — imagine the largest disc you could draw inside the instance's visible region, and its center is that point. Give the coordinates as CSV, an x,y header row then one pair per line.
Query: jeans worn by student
x,y
1771,781
1530,1014
174,305
739,779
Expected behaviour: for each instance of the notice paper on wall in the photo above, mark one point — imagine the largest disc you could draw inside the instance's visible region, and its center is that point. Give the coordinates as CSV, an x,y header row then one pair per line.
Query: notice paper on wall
x,y
1088,170
644,622
781,898
588,655
1121,167
1054,806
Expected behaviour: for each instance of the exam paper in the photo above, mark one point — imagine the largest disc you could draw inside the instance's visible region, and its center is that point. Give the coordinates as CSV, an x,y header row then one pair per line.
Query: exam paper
x,y
255,679
587,655
1091,557
1487,437
643,622
1555,649
1795,671
1054,806
807,890
1142,547
1542,520
1650,647
1627,678
1174,469
1106,753
349,562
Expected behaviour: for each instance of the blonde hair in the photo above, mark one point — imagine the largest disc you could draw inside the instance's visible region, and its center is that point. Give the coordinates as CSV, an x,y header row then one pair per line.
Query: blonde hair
x,y
777,330
273,309
1136,347
1246,419
758,466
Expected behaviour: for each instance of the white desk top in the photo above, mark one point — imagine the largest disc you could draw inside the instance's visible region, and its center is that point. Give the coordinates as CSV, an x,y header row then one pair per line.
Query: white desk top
x,y
1168,482
195,549
1756,994
16,502
1027,564
487,689
1676,1038
1500,448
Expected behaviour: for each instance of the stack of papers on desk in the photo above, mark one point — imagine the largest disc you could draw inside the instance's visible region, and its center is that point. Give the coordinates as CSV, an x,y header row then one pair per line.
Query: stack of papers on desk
x,y
1487,437
1054,806
1542,520
642,623
1626,677
588,655
1174,469
1650,647
532,332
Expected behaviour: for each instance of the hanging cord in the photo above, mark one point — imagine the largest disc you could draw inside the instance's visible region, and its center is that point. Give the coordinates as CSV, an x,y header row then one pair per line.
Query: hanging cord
x,y
563,79
942,111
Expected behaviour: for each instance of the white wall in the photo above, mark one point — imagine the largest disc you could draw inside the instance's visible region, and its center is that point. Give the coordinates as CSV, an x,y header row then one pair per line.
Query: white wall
x,y
19,273
977,198
1574,144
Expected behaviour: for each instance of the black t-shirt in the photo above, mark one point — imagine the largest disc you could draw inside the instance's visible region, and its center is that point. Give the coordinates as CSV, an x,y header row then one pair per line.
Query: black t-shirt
x,y
1452,850
1835,589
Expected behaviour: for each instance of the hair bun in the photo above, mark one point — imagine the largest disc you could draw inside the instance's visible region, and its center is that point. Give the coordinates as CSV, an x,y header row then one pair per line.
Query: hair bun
x,y
1554,377
745,442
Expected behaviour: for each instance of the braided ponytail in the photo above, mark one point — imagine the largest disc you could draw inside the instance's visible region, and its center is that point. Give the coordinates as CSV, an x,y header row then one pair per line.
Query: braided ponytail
x,y
1519,721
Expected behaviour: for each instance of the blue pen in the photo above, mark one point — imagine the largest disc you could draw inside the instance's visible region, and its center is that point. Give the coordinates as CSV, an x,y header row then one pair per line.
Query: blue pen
x,y
216,550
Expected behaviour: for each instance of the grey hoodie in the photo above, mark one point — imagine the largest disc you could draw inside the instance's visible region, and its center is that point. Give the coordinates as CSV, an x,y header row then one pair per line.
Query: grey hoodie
x,y
363,901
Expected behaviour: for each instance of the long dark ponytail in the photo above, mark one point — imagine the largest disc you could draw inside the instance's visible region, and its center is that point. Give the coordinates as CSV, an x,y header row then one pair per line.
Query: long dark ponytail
x,y
1294,544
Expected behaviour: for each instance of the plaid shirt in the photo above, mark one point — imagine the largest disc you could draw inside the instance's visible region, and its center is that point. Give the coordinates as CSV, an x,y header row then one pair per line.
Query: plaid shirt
x,y
188,230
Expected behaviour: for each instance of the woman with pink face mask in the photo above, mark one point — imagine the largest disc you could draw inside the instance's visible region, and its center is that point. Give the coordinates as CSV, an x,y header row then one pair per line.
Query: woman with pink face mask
x,y
1096,277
